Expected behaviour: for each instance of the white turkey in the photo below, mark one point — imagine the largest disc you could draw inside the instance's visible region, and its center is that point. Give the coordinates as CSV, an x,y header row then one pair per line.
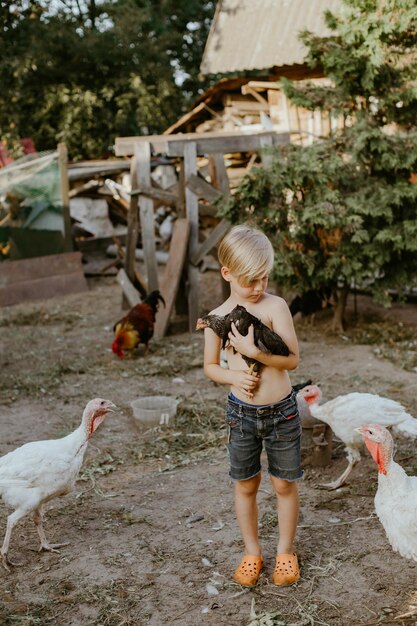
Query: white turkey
x,y
38,471
346,413
396,496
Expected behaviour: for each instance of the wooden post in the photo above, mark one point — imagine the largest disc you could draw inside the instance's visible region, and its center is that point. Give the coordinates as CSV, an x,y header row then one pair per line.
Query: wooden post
x,y
132,233
147,222
191,206
63,176
172,274
220,180
266,142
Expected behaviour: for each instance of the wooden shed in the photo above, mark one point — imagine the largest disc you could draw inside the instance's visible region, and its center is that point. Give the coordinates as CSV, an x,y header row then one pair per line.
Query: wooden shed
x,y
255,43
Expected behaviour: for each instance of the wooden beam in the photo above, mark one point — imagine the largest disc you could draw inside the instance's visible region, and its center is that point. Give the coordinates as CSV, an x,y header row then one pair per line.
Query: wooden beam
x,y
202,188
129,291
251,91
132,231
147,221
168,198
220,179
172,274
249,106
191,206
173,145
266,157
259,85
212,240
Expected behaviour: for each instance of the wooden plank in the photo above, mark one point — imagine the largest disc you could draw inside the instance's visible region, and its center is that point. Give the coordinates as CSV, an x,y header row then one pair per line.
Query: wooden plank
x,y
173,145
41,277
129,291
166,197
259,85
191,206
266,143
212,240
202,188
239,143
23,270
249,106
248,89
147,220
42,288
218,173
172,274
64,184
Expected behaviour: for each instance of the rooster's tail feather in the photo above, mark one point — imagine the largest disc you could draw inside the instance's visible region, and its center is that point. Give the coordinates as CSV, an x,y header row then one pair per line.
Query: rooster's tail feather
x,y
153,299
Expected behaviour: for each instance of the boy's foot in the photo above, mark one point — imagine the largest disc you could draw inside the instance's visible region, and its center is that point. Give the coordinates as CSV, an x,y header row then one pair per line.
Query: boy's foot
x,y
250,567
286,570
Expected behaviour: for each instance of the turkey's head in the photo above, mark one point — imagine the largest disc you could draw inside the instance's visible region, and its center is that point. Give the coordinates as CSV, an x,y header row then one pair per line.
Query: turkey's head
x,y
95,412
379,442
311,394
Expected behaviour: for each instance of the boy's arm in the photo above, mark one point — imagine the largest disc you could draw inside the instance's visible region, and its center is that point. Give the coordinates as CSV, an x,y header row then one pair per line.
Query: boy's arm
x,y
282,323
212,369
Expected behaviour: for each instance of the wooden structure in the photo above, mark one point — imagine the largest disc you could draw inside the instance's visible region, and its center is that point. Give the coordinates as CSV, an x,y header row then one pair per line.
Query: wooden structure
x,y
195,195
41,277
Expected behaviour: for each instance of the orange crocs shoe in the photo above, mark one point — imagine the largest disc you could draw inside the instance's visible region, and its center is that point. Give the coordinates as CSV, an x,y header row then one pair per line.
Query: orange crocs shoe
x,y
247,574
286,570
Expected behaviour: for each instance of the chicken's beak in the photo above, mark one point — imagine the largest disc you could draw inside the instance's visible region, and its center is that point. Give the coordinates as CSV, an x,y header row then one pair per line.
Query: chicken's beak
x,y
361,430
200,324
111,408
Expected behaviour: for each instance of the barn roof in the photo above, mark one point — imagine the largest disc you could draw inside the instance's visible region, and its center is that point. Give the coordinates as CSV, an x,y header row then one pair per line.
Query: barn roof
x,y
261,34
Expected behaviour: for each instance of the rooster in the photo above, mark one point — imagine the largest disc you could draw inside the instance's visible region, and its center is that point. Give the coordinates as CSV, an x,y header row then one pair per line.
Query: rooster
x,y
137,326
264,338
345,413
396,496
38,471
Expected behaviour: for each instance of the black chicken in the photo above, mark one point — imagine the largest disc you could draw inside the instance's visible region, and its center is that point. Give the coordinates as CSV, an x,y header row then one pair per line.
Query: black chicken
x,y
264,338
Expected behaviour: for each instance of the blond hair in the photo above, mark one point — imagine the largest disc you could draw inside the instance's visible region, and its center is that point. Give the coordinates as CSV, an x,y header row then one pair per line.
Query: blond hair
x,y
246,252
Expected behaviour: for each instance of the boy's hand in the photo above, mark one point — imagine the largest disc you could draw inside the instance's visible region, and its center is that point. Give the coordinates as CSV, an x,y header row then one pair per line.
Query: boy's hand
x,y
245,382
243,344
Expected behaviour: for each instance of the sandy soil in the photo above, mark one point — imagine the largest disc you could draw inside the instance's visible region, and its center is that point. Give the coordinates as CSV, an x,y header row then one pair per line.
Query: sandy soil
x,y
154,540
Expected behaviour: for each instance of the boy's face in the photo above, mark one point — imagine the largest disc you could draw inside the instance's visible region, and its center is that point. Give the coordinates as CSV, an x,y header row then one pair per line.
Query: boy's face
x,y
250,291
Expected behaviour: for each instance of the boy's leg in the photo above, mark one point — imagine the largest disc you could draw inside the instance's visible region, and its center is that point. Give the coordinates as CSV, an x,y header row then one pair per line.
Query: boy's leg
x,y
249,569
247,512
286,570
288,508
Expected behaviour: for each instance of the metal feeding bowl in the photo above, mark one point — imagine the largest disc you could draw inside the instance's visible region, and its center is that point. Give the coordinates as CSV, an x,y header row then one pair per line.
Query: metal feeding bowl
x,y
154,410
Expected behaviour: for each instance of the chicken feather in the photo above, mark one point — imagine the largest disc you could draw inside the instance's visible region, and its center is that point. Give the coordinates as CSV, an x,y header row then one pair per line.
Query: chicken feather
x,y
264,338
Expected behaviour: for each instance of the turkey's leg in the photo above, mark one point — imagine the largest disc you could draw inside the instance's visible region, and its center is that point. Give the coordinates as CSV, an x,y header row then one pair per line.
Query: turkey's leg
x,y
335,484
11,522
45,545
353,456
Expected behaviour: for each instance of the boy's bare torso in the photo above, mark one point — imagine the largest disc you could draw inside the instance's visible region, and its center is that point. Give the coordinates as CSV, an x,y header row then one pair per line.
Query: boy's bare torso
x,y
274,384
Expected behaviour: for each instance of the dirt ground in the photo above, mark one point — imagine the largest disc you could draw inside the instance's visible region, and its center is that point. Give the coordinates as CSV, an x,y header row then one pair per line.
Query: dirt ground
x,y
154,540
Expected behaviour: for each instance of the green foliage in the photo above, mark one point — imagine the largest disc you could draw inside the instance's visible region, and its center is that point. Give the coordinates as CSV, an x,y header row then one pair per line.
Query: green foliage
x,y
86,72
343,210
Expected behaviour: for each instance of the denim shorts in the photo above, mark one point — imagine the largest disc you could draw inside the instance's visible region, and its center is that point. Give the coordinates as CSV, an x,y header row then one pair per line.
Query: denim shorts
x,y
276,425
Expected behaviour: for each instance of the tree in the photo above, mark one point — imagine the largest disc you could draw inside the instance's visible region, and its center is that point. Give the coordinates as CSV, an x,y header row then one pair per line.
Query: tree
x,y
343,211
84,72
